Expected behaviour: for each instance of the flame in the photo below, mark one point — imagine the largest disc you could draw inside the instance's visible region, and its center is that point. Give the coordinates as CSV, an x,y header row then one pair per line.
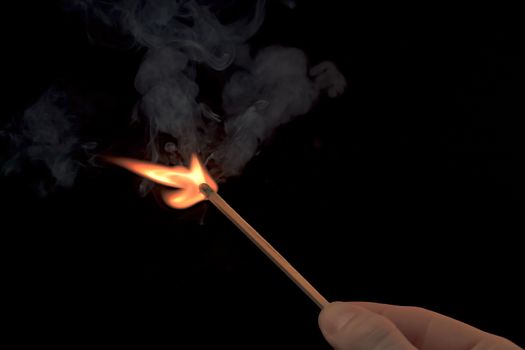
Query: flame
x,y
186,180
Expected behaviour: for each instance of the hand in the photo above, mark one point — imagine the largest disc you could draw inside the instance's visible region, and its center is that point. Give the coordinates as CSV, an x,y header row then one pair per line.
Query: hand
x,y
387,327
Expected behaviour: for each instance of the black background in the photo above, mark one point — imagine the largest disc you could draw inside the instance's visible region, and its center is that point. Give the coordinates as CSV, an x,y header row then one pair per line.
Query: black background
x,y
408,189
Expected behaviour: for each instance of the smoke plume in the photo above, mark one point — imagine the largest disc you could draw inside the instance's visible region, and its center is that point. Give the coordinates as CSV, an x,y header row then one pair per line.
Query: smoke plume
x,y
260,91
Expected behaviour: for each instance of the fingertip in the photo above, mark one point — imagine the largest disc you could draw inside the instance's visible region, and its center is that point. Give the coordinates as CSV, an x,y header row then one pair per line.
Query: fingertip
x,y
334,316
348,326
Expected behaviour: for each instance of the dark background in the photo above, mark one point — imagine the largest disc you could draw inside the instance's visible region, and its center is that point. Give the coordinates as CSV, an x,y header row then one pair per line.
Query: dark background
x,y
408,189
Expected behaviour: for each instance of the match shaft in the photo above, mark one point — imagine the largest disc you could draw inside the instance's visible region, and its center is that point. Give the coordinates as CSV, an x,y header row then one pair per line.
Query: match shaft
x,y
263,245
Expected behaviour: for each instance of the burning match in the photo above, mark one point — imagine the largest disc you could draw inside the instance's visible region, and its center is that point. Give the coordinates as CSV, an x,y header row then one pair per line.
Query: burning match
x,y
263,245
194,184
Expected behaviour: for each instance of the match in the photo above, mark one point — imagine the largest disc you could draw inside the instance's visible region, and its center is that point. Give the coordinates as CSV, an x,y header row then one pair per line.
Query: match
x,y
194,184
263,245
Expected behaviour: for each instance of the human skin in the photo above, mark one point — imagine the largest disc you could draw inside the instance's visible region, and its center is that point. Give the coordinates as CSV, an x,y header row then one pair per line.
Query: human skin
x,y
360,325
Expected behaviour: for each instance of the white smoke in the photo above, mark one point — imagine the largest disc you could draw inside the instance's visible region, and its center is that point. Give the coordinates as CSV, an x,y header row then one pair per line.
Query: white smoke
x,y
46,137
261,90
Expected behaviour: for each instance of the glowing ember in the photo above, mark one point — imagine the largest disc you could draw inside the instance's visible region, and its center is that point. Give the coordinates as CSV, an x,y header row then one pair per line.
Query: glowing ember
x,y
186,180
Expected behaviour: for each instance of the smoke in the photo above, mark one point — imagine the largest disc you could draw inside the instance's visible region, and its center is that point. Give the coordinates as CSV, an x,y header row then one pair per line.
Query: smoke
x,y
46,138
261,90
260,93
274,90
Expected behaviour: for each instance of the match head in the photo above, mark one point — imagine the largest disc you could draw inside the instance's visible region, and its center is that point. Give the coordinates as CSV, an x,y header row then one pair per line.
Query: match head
x,y
205,189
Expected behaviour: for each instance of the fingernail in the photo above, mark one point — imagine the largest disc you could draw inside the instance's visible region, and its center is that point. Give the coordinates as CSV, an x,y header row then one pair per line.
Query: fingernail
x,y
336,316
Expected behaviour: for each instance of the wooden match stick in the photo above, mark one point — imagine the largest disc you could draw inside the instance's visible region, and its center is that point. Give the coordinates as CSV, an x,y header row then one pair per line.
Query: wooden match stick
x,y
263,245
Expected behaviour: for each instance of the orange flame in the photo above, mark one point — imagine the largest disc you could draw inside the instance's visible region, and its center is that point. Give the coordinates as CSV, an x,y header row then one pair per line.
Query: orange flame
x,y
187,180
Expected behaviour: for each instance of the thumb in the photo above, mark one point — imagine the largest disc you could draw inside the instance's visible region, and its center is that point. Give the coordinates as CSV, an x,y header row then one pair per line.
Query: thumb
x,y
346,326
